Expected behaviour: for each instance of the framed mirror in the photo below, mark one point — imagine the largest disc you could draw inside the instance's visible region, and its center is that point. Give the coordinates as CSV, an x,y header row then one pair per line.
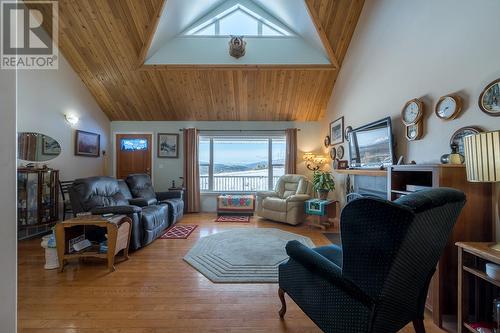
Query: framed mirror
x,y
36,147
489,100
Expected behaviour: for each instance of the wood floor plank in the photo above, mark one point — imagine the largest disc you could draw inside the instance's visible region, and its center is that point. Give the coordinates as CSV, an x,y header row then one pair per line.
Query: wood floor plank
x,y
154,292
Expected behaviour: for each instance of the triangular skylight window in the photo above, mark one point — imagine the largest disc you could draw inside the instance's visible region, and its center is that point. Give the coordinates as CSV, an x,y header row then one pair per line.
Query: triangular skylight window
x,y
237,20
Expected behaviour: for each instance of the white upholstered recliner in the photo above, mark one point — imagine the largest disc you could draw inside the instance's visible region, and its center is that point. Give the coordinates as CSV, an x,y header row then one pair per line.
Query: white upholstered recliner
x,y
286,202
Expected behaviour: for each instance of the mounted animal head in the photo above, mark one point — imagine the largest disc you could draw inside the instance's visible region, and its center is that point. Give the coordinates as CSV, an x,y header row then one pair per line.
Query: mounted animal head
x,y
237,47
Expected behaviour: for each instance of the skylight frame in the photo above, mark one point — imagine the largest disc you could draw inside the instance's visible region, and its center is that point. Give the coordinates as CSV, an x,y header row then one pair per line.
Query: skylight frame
x,y
261,21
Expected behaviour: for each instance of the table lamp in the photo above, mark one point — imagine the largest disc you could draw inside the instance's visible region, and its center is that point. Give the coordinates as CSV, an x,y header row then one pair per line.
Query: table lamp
x,y
482,160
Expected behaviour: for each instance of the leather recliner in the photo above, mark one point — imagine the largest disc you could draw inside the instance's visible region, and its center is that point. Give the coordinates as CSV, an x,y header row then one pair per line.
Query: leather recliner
x,y
286,203
103,195
142,189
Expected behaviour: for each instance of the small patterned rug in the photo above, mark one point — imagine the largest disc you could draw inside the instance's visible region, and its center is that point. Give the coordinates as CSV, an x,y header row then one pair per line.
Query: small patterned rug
x,y
179,231
233,218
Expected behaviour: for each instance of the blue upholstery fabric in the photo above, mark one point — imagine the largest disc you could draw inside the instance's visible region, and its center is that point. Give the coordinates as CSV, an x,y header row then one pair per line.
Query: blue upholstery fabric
x,y
389,253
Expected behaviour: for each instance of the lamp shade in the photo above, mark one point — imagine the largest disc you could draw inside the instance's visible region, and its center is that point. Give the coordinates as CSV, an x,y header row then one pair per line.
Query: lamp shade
x,y
482,157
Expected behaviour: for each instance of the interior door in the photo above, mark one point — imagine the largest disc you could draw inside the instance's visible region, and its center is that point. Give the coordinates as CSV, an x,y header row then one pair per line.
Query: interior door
x,y
133,154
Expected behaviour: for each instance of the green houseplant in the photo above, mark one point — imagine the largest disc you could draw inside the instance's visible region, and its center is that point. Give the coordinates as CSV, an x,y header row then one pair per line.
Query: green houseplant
x,y
323,183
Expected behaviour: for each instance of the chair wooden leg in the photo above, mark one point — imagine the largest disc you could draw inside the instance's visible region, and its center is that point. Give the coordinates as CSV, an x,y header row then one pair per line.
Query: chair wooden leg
x,y
281,294
418,325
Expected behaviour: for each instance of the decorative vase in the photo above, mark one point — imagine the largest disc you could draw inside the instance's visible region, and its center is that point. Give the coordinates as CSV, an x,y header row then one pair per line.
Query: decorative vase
x,y
323,194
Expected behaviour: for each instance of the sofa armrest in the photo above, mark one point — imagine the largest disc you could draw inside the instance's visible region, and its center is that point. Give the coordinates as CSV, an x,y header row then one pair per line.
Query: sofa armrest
x,y
328,270
142,202
298,198
162,196
116,210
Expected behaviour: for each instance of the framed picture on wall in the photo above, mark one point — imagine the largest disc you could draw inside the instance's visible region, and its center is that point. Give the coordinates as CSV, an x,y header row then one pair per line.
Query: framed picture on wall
x,y
87,144
337,131
168,145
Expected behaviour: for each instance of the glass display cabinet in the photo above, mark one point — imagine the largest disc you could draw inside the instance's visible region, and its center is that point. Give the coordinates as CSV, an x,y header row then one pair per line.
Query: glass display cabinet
x,y
37,201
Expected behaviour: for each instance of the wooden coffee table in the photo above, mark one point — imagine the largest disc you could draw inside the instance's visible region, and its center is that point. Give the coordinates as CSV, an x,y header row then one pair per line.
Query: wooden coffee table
x,y
118,229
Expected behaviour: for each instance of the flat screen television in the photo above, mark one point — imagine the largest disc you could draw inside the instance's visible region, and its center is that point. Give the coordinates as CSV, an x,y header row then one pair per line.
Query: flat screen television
x,y
371,146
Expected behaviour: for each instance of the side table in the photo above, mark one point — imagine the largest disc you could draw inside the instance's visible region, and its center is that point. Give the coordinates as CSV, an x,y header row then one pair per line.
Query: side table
x,y
323,213
117,227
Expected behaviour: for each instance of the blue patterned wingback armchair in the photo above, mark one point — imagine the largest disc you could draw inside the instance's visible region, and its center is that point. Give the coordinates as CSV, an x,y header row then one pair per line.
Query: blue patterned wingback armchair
x,y
378,280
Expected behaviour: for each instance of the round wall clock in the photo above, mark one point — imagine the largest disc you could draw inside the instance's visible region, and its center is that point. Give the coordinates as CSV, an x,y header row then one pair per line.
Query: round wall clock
x,y
347,132
458,137
326,142
340,152
333,153
448,107
489,101
412,112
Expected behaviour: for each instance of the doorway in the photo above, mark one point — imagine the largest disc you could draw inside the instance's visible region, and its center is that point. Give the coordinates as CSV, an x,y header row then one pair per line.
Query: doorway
x,y
133,154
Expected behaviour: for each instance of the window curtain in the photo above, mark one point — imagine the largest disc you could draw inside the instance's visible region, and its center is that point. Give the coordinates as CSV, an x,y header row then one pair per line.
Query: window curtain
x,y
291,151
191,170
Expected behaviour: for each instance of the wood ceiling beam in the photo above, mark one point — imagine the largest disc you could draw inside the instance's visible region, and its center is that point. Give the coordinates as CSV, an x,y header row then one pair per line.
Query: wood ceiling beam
x,y
322,35
150,34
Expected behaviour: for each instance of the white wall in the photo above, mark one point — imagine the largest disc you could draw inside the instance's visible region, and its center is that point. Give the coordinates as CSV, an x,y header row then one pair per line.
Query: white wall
x,y
165,169
44,97
8,225
215,50
419,49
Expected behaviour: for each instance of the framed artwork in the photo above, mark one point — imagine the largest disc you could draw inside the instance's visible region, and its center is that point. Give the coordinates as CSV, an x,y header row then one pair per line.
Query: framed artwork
x,y
326,141
489,100
168,145
50,146
87,144
337,131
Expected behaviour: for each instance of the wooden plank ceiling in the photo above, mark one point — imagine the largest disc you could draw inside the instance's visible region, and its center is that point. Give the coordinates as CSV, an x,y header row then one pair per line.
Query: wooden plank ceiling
x,y
103,40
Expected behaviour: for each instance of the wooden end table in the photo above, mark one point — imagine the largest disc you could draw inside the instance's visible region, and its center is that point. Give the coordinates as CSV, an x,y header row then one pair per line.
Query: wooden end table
x,y
472,257
323,213
118,229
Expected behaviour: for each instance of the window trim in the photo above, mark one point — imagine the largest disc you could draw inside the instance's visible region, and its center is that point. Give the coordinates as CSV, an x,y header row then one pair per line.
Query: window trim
x,y
195,28
210,164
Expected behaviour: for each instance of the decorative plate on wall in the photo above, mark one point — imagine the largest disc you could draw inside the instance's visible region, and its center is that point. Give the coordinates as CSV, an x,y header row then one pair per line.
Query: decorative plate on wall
x,y
448,107
340,152
458,137
326,142
333,153
489,100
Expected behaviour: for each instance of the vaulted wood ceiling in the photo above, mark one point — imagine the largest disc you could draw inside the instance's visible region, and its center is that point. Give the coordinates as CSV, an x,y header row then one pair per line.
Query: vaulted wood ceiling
x,y
104,40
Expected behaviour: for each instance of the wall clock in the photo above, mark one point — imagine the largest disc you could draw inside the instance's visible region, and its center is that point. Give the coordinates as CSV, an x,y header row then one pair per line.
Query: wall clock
x,y
414,132
412,112
326,142
448,107
340,152
333,153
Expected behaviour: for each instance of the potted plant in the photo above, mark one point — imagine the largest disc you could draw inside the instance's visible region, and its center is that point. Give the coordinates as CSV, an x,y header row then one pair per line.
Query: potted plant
x,y
323,183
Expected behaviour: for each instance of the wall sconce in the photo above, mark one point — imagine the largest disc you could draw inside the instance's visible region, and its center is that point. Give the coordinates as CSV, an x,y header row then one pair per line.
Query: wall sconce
x,y
314,162
71,118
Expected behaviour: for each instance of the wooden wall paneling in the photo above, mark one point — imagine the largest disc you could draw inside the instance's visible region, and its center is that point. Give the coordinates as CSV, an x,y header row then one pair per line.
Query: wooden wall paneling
x,y
104,40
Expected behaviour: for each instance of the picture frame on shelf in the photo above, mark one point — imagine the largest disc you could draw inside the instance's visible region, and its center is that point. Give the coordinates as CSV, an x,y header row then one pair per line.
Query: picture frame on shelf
x,y
337,131
168,145
343,164
87,144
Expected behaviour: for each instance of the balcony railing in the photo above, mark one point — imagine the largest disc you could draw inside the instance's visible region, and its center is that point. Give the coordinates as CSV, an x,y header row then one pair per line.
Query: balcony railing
x,y
237,183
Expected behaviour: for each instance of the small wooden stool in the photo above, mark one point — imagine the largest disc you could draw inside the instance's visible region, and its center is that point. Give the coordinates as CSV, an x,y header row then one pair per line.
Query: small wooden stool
x,y
118,229
323,213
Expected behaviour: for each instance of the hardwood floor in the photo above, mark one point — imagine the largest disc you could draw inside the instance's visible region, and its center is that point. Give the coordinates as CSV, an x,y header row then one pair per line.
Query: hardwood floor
x,y
154,292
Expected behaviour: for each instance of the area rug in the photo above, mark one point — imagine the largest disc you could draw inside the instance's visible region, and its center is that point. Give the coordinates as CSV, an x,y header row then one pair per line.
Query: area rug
x,y
179,231
333,237
233,218
242,255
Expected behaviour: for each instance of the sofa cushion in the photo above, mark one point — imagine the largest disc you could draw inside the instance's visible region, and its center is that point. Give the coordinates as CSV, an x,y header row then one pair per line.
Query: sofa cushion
x,y
273,203
154,216
140,186
89,193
